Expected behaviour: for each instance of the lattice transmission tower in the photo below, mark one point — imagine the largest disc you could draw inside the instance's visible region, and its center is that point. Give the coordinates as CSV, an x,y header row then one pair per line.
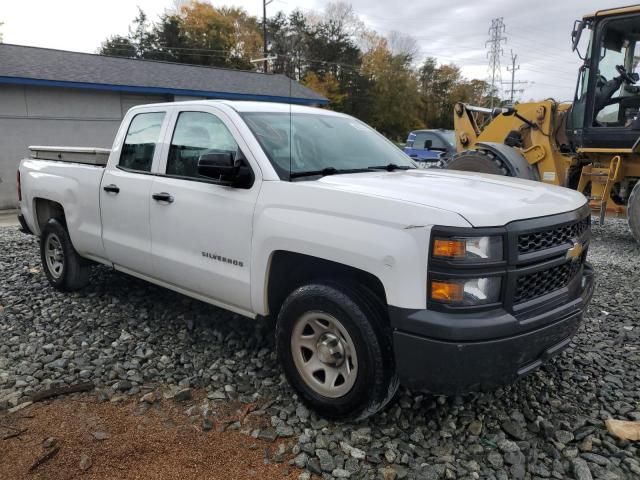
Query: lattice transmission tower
x,y
494,52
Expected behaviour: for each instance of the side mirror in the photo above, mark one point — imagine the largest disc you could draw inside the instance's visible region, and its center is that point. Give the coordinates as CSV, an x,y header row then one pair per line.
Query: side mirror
x,y
578,27
427,144
218,166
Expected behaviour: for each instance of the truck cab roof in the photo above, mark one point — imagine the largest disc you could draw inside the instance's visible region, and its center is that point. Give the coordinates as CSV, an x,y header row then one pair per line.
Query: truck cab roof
x,y
249,106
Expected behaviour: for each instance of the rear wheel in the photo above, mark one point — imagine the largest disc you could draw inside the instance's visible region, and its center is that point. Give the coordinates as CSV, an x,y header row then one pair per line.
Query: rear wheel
x,y
633,211
336,351
64,268
481,161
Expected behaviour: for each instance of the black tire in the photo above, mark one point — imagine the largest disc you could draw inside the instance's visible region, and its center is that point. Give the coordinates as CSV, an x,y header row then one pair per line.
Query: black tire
x,y
360,314
69,271
633,211
481,161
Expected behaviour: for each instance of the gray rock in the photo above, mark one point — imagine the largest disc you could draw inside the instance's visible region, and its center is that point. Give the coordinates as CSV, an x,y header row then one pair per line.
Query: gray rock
x,y
301,460
581,469
49,442
268,434
183,395
514,429
508,446
595,458
564,437
495,459
327,463
475,427
302,412
85,462
340,473
100,435
60,363
284,431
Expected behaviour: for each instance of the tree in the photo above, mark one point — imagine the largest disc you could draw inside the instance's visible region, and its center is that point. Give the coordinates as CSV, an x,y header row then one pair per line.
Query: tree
x,y
328,86
441,87
395,107
1,24
194,32
361,73
118,46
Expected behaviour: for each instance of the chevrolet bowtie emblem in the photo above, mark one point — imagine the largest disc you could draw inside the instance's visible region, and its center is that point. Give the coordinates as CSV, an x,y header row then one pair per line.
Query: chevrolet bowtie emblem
x,y
575,252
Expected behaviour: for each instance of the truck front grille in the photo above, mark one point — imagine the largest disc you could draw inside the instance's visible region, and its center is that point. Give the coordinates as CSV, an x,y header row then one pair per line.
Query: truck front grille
x,y
546,281
552,237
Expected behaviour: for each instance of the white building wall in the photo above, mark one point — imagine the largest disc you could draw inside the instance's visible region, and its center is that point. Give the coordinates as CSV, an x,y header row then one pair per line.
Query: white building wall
x,y
56,116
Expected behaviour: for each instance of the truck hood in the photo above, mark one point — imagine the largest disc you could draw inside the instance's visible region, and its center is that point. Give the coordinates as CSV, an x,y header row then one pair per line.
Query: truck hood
x,y
483,200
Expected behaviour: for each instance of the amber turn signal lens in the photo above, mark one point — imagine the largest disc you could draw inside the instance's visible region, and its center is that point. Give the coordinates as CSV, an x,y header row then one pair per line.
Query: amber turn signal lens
x,y
448,248
447,291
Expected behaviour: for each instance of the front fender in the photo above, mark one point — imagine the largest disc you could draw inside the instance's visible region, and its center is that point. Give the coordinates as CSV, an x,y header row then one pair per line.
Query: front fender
x,y
386,238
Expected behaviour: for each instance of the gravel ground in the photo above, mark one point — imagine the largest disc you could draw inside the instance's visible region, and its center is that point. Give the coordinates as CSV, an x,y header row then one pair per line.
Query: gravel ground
x,y
126,336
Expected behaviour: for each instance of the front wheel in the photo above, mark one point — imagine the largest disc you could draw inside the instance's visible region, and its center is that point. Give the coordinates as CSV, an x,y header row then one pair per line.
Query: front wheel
x,y
64,268
336,350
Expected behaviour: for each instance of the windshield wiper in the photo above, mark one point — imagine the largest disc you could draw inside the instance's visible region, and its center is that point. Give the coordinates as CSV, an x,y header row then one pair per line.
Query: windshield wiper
x,y
390,167
326,171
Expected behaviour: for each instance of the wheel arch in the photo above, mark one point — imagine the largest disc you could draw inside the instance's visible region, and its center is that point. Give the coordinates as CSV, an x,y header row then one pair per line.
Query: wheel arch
x,y
288,270
45,210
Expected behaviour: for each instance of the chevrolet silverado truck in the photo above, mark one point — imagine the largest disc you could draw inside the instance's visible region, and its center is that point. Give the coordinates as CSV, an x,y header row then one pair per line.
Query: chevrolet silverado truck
x,y
376,273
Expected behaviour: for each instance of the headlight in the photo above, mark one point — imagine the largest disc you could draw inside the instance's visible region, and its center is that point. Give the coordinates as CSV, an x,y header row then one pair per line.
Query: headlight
x,y
467,291
471,249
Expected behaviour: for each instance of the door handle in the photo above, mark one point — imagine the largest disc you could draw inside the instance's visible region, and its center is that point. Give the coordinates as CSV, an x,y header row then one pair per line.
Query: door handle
x,y
163,197
111,188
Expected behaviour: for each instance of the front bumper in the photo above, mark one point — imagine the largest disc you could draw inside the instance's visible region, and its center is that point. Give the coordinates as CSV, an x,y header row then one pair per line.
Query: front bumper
x,y
459,355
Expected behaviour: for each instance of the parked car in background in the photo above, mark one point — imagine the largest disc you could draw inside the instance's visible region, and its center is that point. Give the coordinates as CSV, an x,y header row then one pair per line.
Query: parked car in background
x,y
430,147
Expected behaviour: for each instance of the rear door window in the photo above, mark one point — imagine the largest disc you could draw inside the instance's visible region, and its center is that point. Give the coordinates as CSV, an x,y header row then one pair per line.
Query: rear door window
x,y
141,140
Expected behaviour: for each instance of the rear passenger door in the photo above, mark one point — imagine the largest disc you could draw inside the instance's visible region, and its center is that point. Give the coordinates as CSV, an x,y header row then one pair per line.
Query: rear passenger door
x,y
125,194
201,232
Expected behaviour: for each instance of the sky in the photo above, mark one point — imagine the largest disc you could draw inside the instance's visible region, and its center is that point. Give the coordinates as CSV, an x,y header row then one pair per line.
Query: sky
x,y
538,31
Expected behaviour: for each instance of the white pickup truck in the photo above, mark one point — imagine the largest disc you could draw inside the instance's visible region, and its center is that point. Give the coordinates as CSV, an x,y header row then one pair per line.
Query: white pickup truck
x,y
377,272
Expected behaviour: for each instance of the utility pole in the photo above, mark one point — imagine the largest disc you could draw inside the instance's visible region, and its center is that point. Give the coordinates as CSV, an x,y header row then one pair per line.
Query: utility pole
x,y
264,33
513,69
494,46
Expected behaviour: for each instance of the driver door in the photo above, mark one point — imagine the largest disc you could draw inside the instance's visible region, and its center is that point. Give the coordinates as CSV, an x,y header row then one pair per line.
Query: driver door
x,y
201,230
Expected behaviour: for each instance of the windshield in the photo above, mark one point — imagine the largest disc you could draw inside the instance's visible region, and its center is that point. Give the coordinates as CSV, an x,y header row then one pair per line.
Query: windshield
x,y
450,137
305,142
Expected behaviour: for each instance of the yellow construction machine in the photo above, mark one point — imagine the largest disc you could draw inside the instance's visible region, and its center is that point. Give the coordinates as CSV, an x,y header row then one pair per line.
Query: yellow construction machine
x,y
592,144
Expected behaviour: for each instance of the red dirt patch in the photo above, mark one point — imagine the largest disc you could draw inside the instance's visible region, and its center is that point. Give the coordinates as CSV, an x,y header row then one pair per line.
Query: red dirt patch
x,y
161,443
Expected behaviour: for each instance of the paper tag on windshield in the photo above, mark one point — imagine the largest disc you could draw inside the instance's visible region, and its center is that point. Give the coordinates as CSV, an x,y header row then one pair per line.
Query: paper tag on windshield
x,y
549,176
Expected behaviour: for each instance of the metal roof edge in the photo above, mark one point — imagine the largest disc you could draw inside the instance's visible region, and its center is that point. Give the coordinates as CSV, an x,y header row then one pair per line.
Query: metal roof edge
x,y
159,90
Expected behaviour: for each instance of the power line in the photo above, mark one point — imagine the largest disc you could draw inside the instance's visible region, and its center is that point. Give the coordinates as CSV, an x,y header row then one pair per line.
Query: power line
x,y
494,52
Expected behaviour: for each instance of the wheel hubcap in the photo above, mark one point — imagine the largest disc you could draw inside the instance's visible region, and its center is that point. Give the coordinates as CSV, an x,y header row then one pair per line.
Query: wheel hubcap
x,y
324,354
54,255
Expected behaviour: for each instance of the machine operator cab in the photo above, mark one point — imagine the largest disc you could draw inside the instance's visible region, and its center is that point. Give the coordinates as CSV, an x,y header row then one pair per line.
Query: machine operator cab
x,y
606,107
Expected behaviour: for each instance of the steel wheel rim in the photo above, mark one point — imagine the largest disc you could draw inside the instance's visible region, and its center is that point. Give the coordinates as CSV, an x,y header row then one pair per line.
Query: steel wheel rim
x,y
324,354
54,255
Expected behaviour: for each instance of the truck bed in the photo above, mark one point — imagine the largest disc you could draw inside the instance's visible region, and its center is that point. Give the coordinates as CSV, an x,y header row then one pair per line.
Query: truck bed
x,y
85,155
